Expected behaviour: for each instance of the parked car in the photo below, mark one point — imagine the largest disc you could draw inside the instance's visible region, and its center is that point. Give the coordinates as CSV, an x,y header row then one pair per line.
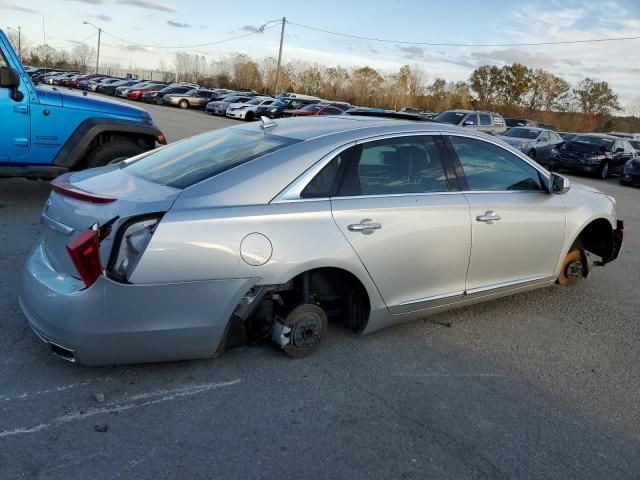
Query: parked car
x,y
628,136
631,173
247,110
566,136
547,126
268,229
594,153
82,78
156,96
110,88
136,93
196,98
122,91
97,86
635,144
311,110
418,111
536,143
285,103
219,107
520,122
487,122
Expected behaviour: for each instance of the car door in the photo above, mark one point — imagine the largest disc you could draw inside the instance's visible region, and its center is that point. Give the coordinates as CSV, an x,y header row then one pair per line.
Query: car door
x,y
623,152
543,146
484,123
517,226
15,121
411,230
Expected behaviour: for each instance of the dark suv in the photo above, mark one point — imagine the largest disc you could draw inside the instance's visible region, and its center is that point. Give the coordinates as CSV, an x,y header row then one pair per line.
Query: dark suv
x,y
276,109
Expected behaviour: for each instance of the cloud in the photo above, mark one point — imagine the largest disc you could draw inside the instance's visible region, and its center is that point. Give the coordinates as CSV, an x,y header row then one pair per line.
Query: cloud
x,y
149,4
178,24
250,28
90,2
414,53
18,8
100,16
136,48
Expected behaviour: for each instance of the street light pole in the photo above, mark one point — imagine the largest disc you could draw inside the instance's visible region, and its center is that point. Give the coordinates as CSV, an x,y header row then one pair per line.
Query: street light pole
x,y
284,21
262,27
99,35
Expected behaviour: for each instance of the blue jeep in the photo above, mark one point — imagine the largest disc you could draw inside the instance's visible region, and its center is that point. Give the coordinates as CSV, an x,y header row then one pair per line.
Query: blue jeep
x,y
46,131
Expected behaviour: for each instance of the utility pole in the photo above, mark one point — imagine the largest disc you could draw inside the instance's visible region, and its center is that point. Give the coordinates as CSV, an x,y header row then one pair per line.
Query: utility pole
x,y
98,54
99,35
284,21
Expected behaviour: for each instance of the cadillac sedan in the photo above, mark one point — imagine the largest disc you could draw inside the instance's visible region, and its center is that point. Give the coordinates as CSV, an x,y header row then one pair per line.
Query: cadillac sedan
x,y
271,230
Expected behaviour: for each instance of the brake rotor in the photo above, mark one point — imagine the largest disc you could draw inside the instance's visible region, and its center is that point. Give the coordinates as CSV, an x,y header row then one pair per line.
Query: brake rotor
x,y
572,268
308,325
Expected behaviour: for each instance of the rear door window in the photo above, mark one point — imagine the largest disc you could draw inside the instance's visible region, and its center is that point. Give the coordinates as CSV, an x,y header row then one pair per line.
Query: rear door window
x,y
401,165
472,119
485,119
190,161
488,167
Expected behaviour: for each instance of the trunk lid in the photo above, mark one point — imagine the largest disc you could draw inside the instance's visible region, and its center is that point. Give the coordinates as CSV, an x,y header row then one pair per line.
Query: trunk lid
x,y
120,195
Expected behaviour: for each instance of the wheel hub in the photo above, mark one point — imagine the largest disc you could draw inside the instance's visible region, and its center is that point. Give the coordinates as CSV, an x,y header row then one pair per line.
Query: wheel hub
x,y
574,269
306,331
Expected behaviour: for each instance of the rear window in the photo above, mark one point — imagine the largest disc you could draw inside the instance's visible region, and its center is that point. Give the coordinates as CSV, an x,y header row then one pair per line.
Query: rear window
x,y
191,161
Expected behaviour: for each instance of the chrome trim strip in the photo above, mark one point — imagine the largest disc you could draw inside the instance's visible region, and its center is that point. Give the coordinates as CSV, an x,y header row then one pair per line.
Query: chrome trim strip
x,y
433,298
511,283
56,226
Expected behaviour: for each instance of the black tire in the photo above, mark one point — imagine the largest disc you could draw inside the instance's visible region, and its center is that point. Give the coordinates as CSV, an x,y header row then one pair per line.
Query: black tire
x,y
603,171
110,152
157,101
249,116
183,104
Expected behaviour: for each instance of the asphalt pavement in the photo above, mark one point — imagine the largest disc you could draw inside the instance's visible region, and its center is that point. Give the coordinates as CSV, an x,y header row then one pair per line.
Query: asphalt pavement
x,y
539,385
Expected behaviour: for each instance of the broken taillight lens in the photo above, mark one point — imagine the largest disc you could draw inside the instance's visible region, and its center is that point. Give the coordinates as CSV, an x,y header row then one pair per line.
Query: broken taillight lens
x,y
84,251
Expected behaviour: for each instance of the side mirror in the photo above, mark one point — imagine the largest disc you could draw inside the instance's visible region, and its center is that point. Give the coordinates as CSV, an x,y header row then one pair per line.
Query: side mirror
x,y
468,122
558,184
619,150
10,79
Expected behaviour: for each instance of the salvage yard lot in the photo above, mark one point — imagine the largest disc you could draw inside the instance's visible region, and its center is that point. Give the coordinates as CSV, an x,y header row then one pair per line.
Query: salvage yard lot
x,y
539,385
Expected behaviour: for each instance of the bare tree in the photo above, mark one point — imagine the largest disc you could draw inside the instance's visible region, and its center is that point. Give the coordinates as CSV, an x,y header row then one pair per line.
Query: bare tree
x,y
82,55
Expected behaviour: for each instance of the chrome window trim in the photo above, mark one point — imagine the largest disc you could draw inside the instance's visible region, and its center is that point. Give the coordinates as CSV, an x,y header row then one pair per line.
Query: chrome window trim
x,y
292,192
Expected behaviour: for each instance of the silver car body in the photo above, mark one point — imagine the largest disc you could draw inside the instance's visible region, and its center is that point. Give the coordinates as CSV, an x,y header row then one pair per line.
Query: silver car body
x,y
240,110
249,226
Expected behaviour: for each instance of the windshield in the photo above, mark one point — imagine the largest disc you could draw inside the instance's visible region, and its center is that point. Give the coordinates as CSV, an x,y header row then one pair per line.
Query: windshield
x,y
280,103
255,101
191,161
604,142
522,133
454,118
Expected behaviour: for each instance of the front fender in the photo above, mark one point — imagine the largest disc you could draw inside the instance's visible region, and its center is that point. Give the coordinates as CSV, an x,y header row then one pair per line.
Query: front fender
x,y
77,145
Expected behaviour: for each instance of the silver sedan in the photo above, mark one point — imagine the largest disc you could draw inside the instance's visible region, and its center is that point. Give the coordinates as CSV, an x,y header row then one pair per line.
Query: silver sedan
x,y
271,230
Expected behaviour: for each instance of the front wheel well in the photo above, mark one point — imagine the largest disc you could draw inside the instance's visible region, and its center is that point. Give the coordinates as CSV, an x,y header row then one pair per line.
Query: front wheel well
x,y
147,142
597,238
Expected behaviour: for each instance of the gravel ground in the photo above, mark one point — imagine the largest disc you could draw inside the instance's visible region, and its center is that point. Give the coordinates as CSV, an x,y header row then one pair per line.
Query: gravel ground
x,y
539,385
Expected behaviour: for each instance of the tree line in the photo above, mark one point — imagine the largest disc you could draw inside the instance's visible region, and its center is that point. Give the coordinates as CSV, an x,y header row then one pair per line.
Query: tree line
x,y
512,90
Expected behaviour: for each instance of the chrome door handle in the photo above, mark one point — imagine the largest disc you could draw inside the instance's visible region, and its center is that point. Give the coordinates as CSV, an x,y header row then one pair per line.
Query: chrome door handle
x,y
488,217
365,226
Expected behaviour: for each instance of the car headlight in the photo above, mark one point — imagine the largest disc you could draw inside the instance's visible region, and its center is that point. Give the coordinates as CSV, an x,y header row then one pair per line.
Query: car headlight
x,y
131,242
597,158
273,110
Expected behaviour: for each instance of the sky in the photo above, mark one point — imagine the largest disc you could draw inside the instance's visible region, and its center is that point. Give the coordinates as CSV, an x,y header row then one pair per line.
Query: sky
x,y
135,31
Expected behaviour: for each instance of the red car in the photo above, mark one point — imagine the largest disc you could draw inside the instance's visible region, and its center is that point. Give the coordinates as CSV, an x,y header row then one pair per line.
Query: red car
x,y
137,93
314,109
74,81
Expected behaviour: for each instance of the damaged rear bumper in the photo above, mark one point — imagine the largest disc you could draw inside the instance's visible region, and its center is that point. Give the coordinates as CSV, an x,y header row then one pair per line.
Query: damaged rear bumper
x,y
115,323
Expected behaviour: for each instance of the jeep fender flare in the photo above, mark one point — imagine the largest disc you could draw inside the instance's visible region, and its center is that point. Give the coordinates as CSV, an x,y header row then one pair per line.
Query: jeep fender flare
x,y
77,145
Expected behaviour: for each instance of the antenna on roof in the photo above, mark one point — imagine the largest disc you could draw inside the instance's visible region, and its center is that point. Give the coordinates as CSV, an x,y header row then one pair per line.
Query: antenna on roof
x,y
267,123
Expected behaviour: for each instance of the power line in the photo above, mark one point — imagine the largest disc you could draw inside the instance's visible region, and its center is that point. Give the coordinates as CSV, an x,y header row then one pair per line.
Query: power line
x,y
186,46
445,44
75,42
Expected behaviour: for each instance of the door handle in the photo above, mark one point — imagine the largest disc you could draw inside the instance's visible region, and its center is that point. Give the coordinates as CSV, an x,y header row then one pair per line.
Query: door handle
x,y
488,217
366,226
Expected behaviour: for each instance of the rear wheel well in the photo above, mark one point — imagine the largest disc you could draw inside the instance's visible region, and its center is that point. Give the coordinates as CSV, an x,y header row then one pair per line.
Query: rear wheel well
x,y
597,238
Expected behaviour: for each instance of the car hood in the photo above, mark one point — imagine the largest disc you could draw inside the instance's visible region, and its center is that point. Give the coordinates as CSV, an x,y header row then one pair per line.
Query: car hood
x,y
77,100
585,148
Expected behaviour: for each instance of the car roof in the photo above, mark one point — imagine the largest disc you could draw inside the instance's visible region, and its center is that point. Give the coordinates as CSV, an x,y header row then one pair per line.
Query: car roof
x,y
601,135
307,128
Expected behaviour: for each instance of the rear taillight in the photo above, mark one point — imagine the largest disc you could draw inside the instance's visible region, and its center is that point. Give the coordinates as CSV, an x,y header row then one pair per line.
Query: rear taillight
x,y
84,251
63,186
